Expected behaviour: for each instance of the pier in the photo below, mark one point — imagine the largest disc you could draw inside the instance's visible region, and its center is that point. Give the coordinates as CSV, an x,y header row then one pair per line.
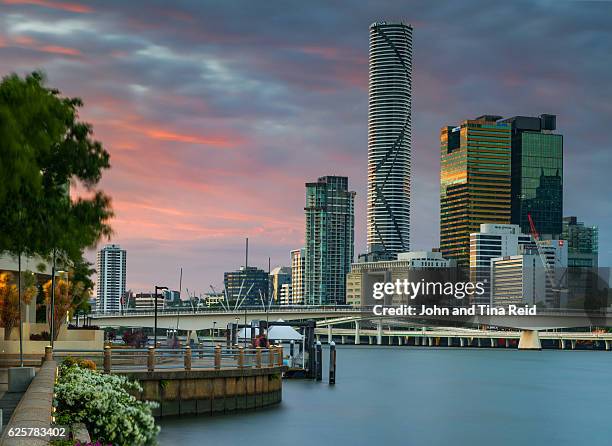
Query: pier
x,y
203,381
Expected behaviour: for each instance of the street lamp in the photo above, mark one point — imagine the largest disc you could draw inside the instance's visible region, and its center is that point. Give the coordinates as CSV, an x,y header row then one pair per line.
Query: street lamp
x,y
157,288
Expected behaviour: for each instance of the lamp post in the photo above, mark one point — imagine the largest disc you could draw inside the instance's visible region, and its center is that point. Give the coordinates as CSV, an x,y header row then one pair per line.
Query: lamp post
x,y
157,288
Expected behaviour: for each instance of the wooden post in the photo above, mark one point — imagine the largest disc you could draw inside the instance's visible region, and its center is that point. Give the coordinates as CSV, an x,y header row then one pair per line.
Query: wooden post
x,y
218,357
151,359
258,357
107,359
48,353
279,352
187,358
271,350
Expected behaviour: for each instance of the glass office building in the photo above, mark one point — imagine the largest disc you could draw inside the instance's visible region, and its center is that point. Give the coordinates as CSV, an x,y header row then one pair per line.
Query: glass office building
x,y
247,286
537,174
475,164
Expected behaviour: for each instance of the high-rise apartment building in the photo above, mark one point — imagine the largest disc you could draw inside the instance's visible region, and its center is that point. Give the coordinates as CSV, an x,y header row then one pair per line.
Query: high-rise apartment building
x,y
537,174
474,182
389,137
298,263
330,233
110,285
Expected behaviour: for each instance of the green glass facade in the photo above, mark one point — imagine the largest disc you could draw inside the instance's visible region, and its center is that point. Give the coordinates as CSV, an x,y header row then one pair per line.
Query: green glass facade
x,y
330,233
537,175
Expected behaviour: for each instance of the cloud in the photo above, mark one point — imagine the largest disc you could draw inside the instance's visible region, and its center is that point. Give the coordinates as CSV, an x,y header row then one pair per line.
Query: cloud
x,y
215,117
69,7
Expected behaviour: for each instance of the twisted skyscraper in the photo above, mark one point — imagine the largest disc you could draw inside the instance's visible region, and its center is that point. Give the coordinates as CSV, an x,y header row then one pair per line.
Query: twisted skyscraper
x,y
389,137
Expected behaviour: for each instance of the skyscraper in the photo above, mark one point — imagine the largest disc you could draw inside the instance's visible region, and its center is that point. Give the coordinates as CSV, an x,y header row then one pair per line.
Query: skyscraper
x,y
474,182
389,137
330,232
110,286
537,174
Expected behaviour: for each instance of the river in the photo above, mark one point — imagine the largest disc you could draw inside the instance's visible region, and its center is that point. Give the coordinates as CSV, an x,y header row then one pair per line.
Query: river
x,y
428,396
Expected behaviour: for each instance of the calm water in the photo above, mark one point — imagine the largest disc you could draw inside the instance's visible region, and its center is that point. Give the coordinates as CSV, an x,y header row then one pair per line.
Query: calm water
x,y
419,396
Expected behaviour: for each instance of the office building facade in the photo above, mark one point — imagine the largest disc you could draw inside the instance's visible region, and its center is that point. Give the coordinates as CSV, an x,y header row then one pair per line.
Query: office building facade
x,y
408,265
279,276
518,280
475,163
537,174
389,137
582,243
330,233
493,240
246,286
111,264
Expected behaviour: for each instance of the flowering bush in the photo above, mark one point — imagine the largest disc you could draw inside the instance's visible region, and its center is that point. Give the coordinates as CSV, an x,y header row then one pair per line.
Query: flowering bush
x,y
103,403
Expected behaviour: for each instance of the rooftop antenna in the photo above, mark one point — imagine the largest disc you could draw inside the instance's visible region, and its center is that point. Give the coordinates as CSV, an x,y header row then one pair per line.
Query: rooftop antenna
x,y
181,284
246,260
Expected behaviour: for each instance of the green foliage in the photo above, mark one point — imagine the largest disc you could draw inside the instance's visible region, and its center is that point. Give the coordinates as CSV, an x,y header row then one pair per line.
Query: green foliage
x,y
44,149
105,404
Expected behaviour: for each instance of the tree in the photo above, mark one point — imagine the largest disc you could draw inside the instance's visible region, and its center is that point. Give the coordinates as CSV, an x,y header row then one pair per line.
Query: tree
x,y
67,292
45,149
10,313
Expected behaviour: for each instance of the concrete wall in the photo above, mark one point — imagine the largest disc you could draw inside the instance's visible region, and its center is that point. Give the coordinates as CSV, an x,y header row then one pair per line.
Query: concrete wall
x,y
66,340
209,392
34,409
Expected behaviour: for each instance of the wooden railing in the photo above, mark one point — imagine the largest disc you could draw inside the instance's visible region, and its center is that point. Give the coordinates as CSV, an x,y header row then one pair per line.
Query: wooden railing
x,y
151,359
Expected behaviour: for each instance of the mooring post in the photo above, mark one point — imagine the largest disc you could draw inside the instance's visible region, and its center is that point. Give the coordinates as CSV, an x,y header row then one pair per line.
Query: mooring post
x,y
107,359
319,361
217,356
187,358
151,359
332,363
258,357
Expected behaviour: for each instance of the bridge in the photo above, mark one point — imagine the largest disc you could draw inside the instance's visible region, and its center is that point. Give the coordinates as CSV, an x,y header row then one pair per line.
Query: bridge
x,y
205,319
328,316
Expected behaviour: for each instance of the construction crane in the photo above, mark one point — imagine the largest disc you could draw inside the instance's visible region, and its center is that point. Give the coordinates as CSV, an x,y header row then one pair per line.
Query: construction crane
x,y
550,274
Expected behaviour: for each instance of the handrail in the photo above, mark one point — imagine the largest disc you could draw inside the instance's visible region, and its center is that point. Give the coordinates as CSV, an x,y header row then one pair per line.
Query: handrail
x,y
187,358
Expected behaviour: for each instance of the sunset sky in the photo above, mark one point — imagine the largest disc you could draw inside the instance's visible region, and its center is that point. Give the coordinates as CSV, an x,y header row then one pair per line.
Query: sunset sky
x,y
216,113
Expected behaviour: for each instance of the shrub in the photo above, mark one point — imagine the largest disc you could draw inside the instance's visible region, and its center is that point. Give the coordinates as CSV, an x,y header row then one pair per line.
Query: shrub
x,y
87,364
105,405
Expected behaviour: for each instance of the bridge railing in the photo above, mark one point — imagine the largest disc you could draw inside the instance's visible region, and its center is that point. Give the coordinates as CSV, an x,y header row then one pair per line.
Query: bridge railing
x,y
118,360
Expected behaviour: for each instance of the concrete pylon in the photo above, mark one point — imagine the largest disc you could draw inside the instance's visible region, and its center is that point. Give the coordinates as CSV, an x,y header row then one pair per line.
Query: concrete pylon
x,y
379,333
329,334
357,340
530,340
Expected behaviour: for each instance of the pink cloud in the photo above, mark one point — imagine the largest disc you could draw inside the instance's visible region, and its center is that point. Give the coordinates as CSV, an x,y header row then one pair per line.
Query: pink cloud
x,y
70,7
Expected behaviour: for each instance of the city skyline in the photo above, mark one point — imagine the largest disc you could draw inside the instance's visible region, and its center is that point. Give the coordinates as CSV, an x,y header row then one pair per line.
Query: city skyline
x,y
198,121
